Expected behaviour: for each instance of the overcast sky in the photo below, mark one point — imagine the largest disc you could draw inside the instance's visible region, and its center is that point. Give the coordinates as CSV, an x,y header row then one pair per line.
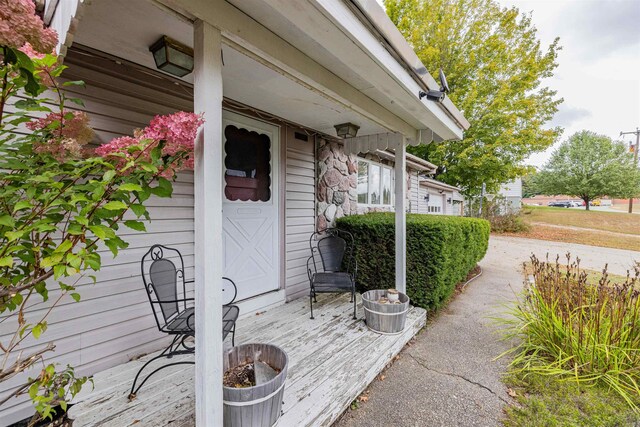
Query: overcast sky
x,y
599,71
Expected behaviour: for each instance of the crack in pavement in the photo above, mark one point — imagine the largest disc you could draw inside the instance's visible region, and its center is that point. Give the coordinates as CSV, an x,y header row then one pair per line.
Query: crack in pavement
x,y
462,377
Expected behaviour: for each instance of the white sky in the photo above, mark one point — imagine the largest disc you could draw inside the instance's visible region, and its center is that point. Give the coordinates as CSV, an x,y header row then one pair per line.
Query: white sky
x,y
599,64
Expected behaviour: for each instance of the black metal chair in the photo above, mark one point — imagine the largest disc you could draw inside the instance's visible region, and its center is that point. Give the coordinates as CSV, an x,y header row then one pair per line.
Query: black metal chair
x,y
332,266
174,312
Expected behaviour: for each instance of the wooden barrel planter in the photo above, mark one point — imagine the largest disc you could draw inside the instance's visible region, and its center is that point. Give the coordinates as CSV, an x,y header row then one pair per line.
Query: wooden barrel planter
x,y
260,405
385,318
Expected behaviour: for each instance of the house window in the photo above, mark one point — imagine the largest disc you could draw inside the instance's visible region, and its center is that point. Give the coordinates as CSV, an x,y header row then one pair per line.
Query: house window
x,y
375,183
363,182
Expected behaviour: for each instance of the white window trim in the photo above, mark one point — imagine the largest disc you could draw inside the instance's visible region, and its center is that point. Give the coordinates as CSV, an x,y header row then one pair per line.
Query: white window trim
x,y
393,193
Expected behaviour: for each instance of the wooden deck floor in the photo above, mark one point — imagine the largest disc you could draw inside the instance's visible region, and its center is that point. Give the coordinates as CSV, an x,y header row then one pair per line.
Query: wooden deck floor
x,y
331,361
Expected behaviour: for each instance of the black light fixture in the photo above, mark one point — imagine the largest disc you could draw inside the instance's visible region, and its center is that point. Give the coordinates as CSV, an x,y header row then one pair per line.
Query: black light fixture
x,y
172,56
449,200
347,130
426,198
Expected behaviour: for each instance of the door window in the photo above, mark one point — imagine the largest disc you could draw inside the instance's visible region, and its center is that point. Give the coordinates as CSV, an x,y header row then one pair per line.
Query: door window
x,y
248,165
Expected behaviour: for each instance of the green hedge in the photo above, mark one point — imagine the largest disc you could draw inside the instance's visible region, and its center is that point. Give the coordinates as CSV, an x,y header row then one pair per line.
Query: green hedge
x,y
441,250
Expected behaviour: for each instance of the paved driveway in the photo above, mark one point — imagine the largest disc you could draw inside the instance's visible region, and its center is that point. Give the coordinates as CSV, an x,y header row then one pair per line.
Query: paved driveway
x,y
448,376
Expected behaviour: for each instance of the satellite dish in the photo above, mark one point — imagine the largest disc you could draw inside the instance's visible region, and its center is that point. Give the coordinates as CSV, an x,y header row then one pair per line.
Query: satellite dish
x,y
444,87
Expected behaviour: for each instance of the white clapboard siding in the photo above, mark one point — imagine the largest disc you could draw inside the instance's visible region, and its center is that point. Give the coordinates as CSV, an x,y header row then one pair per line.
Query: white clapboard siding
x,y
423,207
414,190
113,322
299,211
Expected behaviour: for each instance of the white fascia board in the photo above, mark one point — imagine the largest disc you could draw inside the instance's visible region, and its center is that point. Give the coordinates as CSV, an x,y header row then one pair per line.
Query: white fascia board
x,y
429,114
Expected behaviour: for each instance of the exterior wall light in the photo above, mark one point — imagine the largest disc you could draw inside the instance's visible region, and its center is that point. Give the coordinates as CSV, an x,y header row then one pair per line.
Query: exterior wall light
x,y
449,200
347,130
172,57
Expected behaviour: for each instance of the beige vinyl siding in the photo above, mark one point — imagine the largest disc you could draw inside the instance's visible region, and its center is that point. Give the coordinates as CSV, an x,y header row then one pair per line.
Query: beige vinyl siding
x,y
113,321
300,212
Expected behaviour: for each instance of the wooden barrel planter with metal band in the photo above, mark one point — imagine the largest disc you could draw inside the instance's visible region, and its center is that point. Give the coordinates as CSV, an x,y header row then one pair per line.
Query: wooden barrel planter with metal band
x,y
260,405
385,318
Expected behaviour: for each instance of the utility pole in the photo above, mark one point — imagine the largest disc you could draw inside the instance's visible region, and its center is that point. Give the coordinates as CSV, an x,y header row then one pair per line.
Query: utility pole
x,y
635,157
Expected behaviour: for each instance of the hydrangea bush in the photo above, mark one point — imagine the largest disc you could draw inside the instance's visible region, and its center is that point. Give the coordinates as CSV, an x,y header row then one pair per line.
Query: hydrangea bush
x,y
60,200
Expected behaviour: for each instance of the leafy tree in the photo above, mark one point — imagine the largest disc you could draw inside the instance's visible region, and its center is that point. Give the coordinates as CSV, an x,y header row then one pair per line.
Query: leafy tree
x,y
589,166
61,202
494,66
529,188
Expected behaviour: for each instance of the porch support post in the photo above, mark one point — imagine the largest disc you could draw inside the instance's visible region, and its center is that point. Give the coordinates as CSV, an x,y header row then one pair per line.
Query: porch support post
x,y
401,217
208,225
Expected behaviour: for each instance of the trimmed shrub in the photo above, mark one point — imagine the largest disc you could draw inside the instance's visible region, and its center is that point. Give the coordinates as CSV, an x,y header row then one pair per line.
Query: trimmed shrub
x,y
441,250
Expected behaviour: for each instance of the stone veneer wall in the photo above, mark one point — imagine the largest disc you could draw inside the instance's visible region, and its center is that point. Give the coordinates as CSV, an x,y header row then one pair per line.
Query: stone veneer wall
x,y
337,179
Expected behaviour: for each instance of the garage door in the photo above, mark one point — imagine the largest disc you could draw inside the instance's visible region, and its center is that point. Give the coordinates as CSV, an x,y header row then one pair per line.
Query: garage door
x,y
436,204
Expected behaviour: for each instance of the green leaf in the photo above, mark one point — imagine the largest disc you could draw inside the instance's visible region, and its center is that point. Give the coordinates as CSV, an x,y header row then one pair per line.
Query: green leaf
x,y
108,175
164,188
135,225
74,83
75,296
129,186
7,220
59,270
64,247
6,261
101,231
115,205
14,235
77,101
22,204
38,329
93,261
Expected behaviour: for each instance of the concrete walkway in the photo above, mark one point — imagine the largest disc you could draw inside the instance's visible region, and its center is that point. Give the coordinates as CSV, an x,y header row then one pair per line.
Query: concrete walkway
x,y
448,376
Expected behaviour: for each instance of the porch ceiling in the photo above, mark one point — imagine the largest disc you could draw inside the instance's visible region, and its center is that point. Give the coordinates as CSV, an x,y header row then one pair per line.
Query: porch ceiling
x,y
126,29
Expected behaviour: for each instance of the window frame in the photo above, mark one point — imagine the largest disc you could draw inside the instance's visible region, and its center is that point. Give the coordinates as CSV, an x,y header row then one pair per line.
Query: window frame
x,y
381,184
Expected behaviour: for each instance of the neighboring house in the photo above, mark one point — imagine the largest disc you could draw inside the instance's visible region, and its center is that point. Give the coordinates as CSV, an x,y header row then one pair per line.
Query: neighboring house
x,y
439,198
512,193
288,75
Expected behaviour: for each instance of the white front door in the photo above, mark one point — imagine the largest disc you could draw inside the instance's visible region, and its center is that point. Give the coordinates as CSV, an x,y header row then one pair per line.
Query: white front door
x,y
250,204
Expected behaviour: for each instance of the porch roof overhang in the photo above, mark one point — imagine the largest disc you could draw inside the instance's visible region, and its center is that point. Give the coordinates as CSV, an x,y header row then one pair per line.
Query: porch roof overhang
x,y
345,51
329,45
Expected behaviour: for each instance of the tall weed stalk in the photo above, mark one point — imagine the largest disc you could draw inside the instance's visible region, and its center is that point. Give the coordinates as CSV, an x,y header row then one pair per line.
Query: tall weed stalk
x,y
569,327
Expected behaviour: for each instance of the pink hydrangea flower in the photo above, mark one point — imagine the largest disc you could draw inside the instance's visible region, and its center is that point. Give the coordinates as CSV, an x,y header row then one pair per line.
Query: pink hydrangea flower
x,y
178,131
19,24
65,139
75,127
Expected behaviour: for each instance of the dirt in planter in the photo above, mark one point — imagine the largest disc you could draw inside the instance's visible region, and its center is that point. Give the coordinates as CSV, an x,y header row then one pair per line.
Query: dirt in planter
x,y
242,376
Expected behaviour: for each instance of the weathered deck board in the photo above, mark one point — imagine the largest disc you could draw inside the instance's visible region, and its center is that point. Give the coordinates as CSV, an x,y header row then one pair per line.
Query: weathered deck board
x,y
331,360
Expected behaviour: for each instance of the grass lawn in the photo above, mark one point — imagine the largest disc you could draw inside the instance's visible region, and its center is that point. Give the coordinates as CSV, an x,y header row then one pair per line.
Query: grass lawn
x,y
593,276
595,227
597,220
546,402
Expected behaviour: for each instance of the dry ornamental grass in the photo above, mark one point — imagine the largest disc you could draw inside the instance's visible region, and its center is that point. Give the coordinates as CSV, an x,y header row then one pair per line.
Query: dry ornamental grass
x,y
573,328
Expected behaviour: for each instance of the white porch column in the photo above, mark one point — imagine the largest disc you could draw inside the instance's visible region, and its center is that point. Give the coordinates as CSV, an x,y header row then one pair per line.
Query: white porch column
x,y
401,217
208,225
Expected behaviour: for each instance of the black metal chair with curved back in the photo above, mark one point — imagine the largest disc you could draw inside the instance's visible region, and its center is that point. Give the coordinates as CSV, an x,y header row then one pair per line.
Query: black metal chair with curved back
x,y
174,313
332,267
